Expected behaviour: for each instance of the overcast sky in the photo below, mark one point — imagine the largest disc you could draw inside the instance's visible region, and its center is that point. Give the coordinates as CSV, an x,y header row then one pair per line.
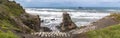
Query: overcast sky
x,y
69,3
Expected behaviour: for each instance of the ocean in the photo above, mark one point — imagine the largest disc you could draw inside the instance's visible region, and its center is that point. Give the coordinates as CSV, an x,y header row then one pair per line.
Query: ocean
x,y
52,17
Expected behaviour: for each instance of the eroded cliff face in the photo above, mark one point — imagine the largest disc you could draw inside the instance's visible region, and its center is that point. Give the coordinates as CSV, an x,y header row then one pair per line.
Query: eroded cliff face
x,y
67,24
13,18
32,21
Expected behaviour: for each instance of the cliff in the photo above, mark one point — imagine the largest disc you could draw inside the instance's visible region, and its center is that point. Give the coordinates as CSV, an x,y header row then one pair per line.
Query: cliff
x,y
14,20
106,27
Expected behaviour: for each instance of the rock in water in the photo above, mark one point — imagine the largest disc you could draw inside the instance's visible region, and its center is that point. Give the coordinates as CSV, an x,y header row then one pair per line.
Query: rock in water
x,y
67,24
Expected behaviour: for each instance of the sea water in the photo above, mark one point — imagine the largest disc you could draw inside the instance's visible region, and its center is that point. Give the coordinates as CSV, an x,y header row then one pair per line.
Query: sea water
x,y
52,17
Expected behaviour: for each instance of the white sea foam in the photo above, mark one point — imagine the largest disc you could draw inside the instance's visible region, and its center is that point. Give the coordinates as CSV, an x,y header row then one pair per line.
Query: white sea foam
x,y
52,18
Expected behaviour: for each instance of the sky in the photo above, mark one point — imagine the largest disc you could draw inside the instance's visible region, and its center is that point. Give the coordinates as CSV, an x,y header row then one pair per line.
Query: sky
x,y
69,3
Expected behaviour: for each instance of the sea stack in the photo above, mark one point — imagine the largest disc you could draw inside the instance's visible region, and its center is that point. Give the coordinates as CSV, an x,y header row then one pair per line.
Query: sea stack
x,y
37,25
67,24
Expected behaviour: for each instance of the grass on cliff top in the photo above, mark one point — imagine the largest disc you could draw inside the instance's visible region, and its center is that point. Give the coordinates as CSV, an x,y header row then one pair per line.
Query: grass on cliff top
x,y
109,32
12,8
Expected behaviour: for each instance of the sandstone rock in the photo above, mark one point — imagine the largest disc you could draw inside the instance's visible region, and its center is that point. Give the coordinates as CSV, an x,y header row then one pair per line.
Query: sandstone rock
x,y
34,22
67,24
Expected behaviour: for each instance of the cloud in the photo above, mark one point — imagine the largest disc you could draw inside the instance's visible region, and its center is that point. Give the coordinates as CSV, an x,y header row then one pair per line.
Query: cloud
x,y
28,0
69,2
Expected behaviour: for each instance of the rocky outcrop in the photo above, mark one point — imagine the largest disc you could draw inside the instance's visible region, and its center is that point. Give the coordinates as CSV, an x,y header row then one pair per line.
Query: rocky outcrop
x,y
32,21
67,24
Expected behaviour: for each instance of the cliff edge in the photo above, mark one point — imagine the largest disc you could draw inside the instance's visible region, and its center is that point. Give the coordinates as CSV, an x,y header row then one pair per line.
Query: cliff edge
x,y
103,28
14,20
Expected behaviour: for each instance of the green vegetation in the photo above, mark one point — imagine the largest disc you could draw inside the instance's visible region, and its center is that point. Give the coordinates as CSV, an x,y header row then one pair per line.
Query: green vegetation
x,y
109,32
10,8
116,16
7,25
7,34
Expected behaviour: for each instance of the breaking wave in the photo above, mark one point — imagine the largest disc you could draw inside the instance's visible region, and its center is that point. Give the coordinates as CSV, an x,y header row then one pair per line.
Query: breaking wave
x,y
53,17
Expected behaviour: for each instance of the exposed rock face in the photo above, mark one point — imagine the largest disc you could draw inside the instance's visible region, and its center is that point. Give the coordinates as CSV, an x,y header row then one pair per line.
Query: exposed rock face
x,y
67,23
32,21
